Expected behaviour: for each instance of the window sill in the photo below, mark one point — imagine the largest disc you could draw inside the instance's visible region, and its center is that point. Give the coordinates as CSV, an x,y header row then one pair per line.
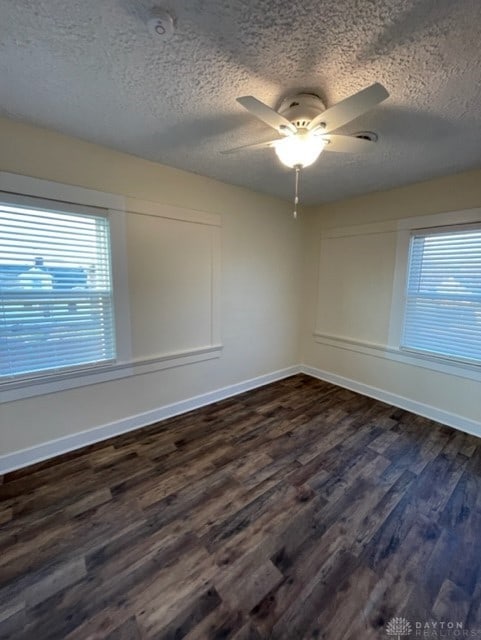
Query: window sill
x,y
41,385
440,365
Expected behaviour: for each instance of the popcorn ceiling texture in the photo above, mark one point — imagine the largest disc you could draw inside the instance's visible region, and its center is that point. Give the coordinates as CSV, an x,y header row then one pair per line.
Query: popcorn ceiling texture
x,y
91,69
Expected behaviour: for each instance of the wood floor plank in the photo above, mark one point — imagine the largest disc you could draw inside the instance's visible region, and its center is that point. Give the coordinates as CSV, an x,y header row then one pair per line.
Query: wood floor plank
x,y
172,590
221,623
245,585
304,567
61,578
354,594
451,603
295,511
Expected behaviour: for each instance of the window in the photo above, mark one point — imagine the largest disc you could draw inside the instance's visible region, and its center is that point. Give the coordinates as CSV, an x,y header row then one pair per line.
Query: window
x,y
56,303
443,294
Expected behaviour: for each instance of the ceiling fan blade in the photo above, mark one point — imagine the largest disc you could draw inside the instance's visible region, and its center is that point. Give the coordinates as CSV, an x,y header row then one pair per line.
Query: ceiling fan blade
x,y
259,145
266,114
347,144
350,108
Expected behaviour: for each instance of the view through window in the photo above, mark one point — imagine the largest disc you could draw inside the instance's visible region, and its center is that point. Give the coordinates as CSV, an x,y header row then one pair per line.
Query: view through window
x,y
443,297
56,307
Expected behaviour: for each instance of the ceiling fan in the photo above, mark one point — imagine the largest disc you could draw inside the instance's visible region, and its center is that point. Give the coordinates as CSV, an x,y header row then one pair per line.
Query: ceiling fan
x,y
305,126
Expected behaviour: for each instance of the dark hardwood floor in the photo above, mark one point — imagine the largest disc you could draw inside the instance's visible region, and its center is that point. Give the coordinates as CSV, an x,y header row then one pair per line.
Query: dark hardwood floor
x,y
298,510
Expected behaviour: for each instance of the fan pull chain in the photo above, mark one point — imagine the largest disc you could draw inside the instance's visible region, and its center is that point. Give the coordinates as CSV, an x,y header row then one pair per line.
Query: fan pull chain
x,y
296,195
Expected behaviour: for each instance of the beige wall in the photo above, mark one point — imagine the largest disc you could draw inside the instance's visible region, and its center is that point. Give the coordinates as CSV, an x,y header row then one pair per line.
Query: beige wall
x,y
270,275
348,275
259,301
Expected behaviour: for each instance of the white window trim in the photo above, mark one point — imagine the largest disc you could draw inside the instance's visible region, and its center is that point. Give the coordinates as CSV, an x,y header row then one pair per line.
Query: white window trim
x,y
120,303
406,228
116,208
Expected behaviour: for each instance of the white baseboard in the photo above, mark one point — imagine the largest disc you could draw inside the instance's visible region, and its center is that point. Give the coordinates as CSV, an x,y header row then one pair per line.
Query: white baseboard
x,y
46,450
428,411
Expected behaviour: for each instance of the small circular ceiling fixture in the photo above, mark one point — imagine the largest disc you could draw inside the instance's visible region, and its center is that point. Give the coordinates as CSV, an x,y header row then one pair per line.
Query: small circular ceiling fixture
x,y
160,23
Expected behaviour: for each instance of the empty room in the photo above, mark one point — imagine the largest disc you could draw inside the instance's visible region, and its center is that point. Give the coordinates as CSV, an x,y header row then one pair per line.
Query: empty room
x,y
240,319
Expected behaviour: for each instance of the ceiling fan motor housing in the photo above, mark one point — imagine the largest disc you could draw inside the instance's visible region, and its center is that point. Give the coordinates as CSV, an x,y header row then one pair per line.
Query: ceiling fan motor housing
x,y
301,108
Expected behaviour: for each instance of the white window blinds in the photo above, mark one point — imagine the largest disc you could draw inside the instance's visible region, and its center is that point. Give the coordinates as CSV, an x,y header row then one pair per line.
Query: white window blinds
x,y
56,307
443,297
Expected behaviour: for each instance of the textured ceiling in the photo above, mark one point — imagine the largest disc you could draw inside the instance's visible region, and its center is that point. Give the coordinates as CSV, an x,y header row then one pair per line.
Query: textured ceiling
x,y
91,69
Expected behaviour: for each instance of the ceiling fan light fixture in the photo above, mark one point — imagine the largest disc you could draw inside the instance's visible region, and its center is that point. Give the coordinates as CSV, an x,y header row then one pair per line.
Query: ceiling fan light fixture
x,y
299,150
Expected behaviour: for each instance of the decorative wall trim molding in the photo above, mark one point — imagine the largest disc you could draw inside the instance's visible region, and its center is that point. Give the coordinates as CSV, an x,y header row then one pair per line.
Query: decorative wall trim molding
x,y
440,365
445,417
343,342
160,210
399,224
46,450
106,373
116,208
39,188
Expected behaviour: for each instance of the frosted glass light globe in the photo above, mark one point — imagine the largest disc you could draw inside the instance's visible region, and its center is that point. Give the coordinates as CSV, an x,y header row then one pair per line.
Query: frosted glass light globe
x,y
300,149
